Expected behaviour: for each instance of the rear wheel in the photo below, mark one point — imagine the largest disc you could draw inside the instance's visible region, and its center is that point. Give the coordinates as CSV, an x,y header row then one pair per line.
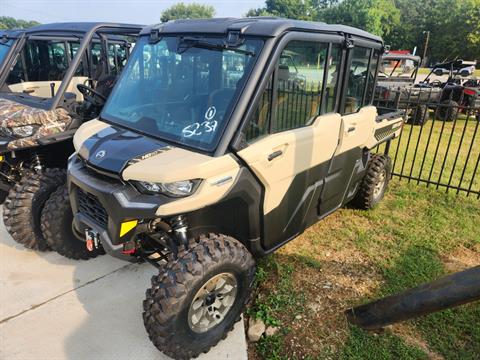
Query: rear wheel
x,y
447,110
24,204
375,182
56,224
195,300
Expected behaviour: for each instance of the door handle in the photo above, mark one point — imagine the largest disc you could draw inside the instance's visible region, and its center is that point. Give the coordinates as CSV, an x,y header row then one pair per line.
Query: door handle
x,y
351,129
28,90
274,155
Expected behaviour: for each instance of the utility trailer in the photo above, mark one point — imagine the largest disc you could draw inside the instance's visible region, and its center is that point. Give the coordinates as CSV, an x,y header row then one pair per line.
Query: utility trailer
x,y
53,77
223,140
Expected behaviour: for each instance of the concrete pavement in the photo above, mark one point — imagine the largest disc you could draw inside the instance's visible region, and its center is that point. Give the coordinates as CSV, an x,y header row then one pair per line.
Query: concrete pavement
x,y
55,308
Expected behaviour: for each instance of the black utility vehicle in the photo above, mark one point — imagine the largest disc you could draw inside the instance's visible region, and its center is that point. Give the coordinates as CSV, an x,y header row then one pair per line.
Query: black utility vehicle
x,y
53,77
222,140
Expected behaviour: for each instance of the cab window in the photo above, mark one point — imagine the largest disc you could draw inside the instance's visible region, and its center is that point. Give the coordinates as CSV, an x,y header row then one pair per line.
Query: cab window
x,y
117,57
331,88
40,60
357,78
299,84
372,70
259,123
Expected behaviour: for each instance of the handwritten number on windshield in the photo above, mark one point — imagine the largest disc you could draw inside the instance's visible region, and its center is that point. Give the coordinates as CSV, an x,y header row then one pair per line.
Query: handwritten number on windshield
x,y
197,129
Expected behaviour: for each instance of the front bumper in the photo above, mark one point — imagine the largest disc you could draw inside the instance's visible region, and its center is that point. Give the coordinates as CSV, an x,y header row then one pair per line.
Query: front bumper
x,y
120,201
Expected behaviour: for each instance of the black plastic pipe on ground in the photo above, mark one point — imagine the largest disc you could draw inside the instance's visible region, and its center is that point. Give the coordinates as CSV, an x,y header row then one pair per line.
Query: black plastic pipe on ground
x,y
453,290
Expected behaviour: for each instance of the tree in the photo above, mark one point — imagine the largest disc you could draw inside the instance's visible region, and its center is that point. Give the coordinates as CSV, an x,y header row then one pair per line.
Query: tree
x,y
380,17
7,22
291,9
187,11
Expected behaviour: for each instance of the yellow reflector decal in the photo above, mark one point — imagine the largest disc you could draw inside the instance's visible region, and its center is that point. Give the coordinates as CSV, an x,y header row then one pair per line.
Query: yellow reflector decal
x,y
2,158
127,226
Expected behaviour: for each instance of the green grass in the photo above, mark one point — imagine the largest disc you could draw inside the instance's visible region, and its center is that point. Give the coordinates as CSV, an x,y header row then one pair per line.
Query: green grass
x,y
401,244
361,345
439,151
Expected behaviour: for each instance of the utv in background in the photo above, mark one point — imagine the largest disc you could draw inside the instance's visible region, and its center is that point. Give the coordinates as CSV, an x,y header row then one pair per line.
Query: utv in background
x,y
450,97
199,174
53,78
396,80
396,89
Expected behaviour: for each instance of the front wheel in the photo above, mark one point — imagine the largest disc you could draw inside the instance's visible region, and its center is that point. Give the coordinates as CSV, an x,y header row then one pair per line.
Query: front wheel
x,y
196,299
56,223
24,205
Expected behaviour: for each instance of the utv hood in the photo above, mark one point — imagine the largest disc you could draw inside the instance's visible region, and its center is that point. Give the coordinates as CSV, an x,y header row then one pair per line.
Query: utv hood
x,y
133,156
112,148
45,123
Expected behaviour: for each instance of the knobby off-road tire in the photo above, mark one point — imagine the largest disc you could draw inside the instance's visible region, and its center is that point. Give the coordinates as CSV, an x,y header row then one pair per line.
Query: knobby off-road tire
x,y
419,115
175,290
56,224
448,110
24,204
373,186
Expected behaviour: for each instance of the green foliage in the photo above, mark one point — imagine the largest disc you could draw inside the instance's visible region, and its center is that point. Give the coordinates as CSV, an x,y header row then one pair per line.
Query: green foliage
x,y
380,17
270,347
187,11
284,298
292,9
7,22
454,25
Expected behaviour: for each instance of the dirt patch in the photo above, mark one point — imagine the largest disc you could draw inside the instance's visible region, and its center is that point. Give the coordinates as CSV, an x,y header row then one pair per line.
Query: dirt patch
x,y
462,258
414,338
331,281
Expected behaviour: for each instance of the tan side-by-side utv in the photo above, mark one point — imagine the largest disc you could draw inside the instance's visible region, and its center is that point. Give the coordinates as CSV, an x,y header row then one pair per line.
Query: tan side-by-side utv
x,y
222,140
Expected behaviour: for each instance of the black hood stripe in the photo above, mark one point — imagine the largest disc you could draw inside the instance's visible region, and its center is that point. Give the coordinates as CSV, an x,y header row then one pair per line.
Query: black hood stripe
x,y
112,148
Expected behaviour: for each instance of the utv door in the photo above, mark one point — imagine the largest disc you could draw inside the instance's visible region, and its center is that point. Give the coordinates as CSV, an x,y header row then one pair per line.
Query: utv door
x,y
291,142
357,123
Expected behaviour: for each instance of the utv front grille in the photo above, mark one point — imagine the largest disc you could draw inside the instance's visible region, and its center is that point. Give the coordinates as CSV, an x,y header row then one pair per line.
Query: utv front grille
x,y
89,205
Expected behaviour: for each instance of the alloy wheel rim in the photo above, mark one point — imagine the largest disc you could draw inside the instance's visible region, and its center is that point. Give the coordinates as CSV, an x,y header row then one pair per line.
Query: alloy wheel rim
x,y
212,302
377,190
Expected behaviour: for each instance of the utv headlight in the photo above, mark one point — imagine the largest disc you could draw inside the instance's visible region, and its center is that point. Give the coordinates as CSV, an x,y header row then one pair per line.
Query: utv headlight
x,y
174,189
24,131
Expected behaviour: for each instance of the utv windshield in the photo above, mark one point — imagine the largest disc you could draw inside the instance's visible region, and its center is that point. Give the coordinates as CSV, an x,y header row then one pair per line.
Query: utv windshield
x,y
5,48
181,89
391,68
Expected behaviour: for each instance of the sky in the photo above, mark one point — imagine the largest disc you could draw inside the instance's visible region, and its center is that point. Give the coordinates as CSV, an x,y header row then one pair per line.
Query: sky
x,y
130,11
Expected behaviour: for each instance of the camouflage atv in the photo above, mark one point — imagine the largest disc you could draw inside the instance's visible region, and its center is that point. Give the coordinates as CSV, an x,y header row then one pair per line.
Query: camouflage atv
x,y
52,78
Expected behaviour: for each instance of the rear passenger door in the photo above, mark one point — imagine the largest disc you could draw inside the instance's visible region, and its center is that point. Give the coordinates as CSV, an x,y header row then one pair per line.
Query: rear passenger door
x,y
291,137
357,124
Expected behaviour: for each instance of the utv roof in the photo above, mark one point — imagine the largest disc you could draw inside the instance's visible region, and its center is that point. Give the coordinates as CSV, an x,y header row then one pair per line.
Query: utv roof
x,y
81,27
401,57
11,33
455,64
258,26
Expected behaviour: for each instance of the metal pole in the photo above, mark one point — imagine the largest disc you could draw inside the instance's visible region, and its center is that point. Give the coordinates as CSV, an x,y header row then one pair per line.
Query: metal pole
x,y
453,290
424,58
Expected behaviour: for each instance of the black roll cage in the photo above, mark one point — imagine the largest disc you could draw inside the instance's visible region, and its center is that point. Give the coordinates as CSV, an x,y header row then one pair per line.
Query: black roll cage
x,y
100,29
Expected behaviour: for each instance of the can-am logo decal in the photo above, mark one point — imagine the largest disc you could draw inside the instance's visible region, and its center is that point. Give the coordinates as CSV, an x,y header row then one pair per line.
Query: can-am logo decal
x,y
210,114
100,154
